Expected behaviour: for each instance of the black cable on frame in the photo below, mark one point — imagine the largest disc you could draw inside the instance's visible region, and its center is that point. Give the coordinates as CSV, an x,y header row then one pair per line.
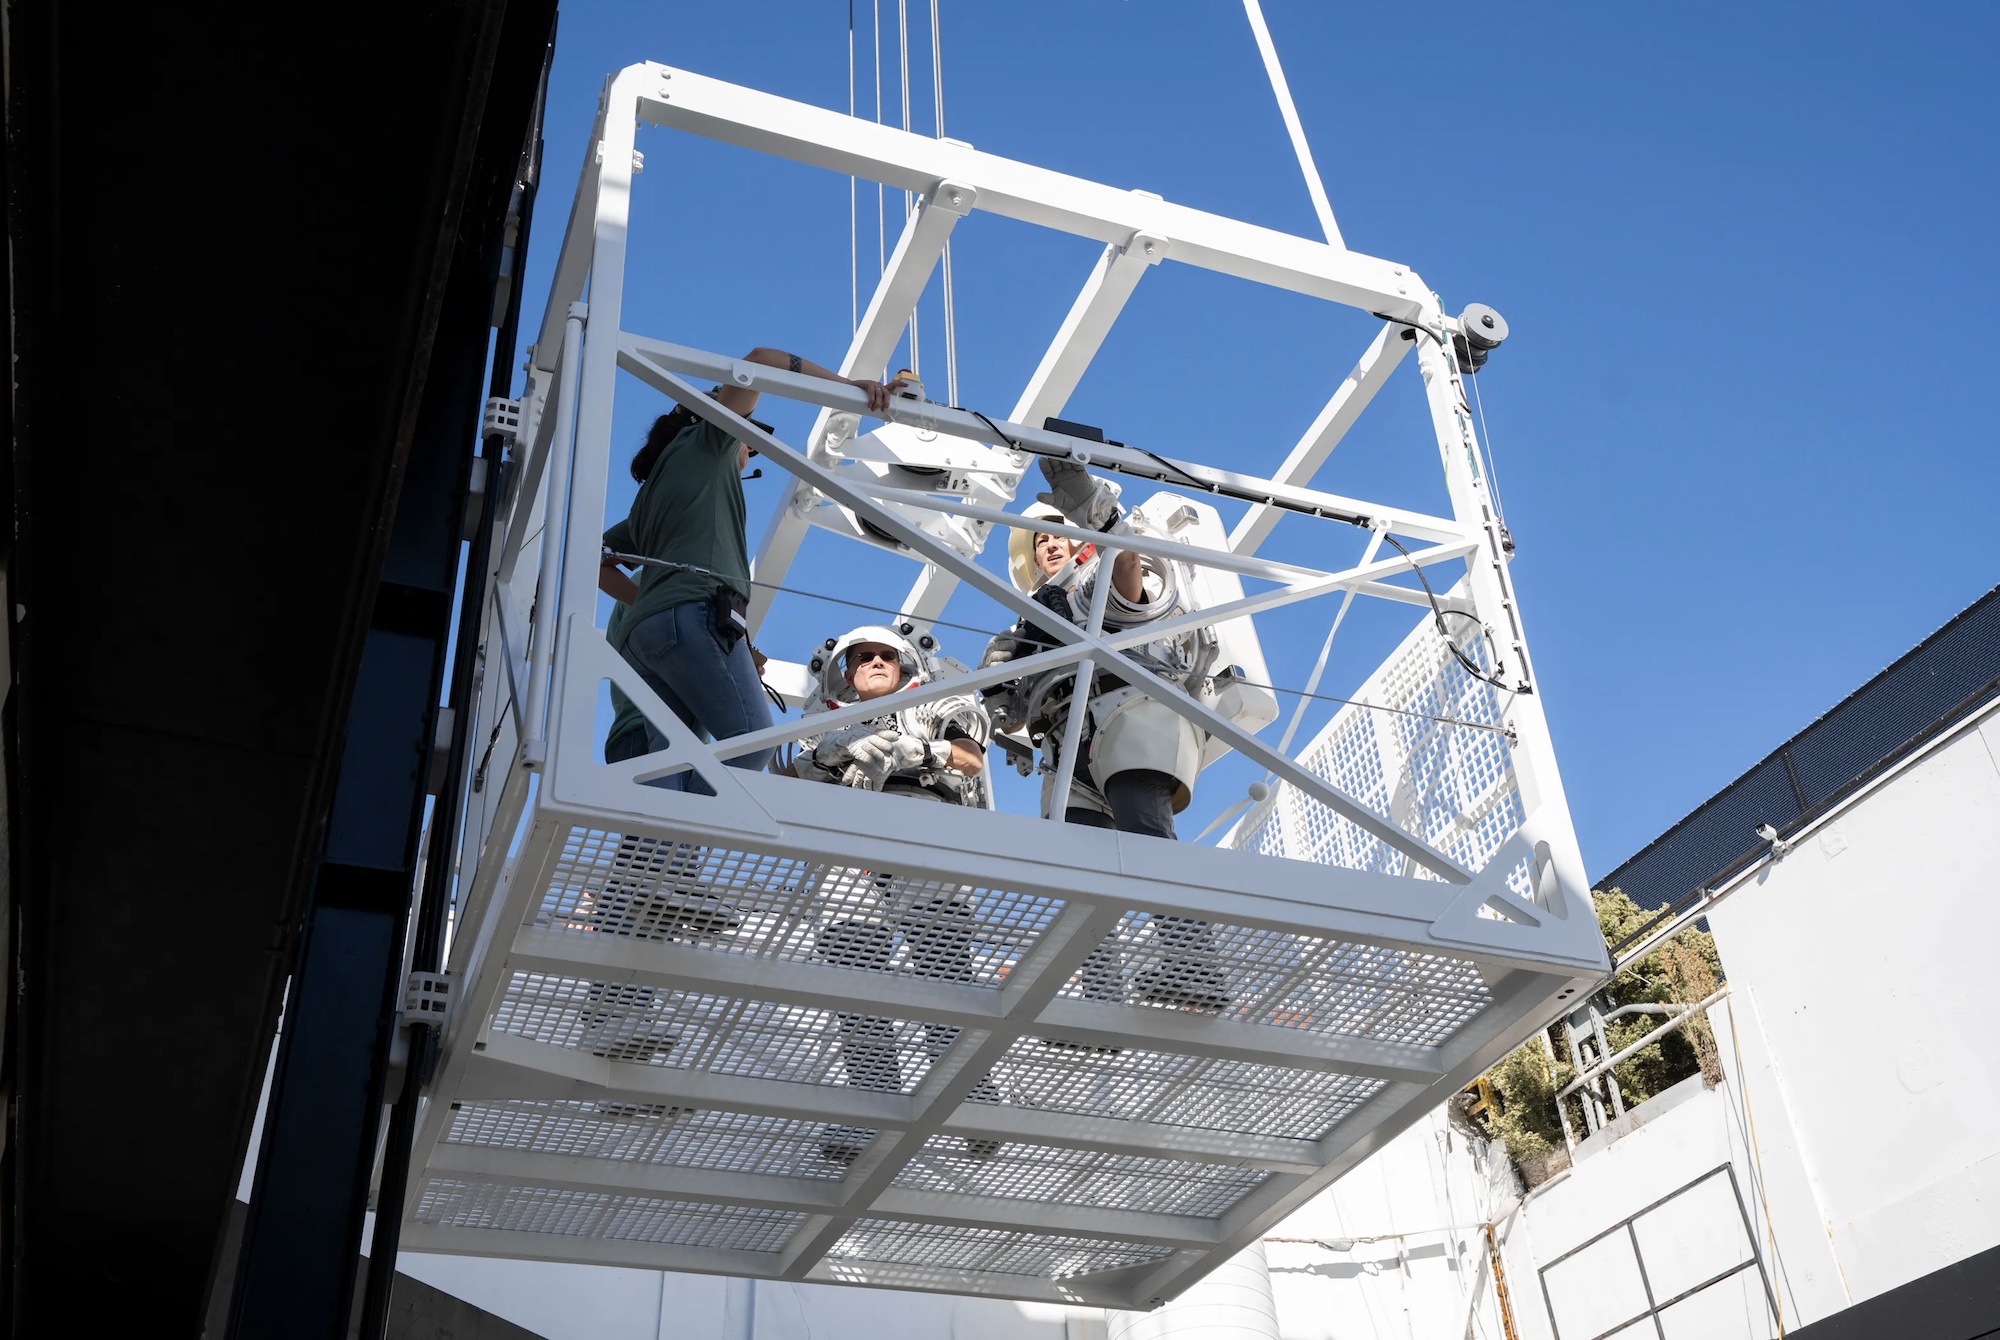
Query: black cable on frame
x,y
1438,612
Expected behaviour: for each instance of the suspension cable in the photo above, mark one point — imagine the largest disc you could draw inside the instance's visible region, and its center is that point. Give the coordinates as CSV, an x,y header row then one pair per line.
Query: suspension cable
x,y
1486,442
881,218
950,314
909,197
853,221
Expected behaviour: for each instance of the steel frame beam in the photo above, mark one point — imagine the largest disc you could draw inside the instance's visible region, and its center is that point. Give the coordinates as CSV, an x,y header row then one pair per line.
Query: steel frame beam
x,y
681,100
1382,356
1069,355
654,360
903,281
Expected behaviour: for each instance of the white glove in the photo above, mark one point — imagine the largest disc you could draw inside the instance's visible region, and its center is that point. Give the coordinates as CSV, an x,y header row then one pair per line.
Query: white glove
x,y
1003,649
872,759
1087,501
879,757
837,746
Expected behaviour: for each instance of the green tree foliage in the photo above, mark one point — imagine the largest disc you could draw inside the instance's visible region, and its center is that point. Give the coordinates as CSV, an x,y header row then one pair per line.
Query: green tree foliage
x,y
1524,1084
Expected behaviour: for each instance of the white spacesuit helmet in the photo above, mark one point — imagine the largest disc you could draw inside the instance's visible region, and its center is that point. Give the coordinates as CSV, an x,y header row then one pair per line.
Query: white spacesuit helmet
x,y
1021,548
915,652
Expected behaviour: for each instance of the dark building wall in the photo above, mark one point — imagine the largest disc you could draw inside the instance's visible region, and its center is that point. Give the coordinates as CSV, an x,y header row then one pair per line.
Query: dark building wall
x,y
231,232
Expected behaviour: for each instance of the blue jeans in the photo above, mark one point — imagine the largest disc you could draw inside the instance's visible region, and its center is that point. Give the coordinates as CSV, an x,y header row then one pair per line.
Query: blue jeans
x,y
679,655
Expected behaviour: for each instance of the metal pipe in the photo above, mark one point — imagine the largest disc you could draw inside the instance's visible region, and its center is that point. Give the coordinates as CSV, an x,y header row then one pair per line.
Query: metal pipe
x,y
1624,1010
641,354
1611,1089
1079,698
1562,1112
1593,1115
1678,1021
548,588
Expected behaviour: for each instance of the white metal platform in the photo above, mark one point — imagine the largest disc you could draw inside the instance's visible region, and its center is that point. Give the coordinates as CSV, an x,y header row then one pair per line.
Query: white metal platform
x,y
778,1031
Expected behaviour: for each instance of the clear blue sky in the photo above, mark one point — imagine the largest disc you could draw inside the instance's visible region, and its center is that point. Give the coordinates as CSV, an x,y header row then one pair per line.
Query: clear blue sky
x,y
1743,428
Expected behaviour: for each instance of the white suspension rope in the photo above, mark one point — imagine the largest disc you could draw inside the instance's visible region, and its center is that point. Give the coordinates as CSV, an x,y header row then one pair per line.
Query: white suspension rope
x,y
1486,441
1292,126
881,219
909,197
950,315
1326,649
853,219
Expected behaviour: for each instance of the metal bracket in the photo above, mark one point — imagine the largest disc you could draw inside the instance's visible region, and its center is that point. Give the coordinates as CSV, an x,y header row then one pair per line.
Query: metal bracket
x,y
426,998
502,419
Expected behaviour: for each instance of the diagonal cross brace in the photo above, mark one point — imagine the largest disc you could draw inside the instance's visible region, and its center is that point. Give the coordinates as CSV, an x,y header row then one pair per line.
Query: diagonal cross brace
x,y
833,719
639,354
1095,645
1062,949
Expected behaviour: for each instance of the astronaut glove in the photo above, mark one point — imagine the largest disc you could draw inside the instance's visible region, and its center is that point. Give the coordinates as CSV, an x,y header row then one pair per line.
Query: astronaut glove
x,y
837,746
872,759
912,752
1001,650
1087,501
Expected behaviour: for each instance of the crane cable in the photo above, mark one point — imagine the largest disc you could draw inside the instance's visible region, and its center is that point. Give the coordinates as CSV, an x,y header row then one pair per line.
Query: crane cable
x,y
909,197
853,184
950,316
881,218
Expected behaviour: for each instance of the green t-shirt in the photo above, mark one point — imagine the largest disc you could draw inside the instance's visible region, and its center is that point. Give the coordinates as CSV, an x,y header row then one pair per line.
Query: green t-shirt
x,y
689,510
625,714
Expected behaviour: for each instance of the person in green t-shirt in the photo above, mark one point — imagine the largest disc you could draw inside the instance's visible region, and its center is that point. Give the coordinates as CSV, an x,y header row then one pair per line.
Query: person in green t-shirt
x,y
684,630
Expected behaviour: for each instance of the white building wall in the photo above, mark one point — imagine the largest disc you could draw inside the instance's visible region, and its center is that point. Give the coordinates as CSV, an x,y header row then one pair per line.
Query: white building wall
x,y
1423,1198
1863,961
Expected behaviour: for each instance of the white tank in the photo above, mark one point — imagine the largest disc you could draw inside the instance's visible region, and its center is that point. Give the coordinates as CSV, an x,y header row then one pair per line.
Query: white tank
x,y
1234,1303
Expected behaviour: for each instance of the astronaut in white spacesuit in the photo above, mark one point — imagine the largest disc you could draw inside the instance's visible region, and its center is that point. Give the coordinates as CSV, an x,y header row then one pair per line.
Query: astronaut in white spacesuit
x,y
1138,758
933,751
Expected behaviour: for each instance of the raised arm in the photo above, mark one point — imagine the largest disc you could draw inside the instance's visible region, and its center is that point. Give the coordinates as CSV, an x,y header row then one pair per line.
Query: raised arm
x,y
742,399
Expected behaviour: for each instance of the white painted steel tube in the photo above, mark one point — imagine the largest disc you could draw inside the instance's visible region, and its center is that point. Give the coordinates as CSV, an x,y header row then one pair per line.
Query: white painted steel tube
x,y
1610,1063
1234,1303
1310,171
541,663
1079,698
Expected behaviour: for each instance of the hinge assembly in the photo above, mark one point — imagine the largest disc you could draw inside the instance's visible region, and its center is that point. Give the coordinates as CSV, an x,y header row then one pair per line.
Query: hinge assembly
x,y
502,419
426,997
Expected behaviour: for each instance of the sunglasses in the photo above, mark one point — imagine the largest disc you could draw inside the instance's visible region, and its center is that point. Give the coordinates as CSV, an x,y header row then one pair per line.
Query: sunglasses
x,y
857,658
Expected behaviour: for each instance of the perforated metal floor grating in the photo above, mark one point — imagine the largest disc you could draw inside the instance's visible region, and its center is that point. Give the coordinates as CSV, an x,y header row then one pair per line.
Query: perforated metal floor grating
x,y
664,1109
1080,1177
1177,1090
988,1251
748,1048
684,1030
594,1214
653,1133
771,906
